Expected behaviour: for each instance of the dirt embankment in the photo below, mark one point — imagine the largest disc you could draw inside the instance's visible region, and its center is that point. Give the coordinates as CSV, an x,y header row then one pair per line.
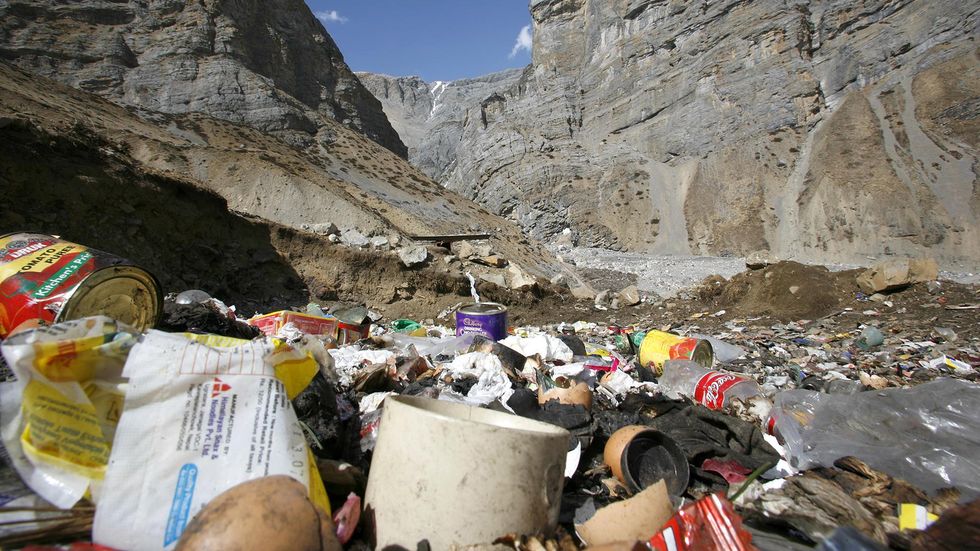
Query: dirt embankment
x,y
83,188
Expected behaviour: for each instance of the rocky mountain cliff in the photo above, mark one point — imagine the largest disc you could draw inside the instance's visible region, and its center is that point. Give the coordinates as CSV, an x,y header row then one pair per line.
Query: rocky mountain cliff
x,y
829,131
430,117
265,63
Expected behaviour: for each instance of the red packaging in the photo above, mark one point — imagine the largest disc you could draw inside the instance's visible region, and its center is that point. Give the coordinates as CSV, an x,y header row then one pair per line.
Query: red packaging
x,y
270,324
709,524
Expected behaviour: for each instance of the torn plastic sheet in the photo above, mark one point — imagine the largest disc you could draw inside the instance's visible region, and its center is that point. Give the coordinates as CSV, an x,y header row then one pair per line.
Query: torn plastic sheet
x,y
492,383
928,435
548,347
349,359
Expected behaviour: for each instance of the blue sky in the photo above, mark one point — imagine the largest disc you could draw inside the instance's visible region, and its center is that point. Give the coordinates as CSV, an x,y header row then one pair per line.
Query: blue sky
x,y
433,39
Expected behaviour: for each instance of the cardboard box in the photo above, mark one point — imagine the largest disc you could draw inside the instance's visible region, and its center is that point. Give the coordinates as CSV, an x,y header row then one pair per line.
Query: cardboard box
x,y
270,324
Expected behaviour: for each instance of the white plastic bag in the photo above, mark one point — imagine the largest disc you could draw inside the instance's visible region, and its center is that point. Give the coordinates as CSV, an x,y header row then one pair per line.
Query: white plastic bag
x,y
202,414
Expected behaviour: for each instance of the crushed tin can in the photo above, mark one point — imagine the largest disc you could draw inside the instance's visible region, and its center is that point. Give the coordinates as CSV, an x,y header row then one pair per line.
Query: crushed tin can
x,y
657,347
483,318
46,280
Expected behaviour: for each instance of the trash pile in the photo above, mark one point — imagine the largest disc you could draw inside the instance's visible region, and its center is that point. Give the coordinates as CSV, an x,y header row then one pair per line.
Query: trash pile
x,y
328,427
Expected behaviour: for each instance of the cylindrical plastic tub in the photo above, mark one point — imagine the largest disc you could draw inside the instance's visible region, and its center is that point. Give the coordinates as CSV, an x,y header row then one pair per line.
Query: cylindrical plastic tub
x,y
455,474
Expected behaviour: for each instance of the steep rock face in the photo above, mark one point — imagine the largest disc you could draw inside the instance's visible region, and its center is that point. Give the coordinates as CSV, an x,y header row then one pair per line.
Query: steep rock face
x,y
346,180
430,117
265,63
826,131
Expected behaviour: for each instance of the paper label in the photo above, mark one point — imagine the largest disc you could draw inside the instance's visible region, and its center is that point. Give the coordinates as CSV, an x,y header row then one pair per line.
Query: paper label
x,y
711,388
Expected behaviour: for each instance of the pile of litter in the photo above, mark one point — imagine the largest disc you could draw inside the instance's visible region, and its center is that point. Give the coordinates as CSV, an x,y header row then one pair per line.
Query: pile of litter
x,y
793,421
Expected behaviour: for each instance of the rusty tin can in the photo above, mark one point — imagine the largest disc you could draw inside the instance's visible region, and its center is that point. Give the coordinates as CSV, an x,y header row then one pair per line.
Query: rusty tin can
x,y
483,318
47,279
658,347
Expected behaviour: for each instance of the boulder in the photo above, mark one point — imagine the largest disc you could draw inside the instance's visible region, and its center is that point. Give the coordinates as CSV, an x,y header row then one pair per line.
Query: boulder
x,y
496,279
583,292
467,249
518,278
354,238
413,256
757,260
379,242
629,296
897,273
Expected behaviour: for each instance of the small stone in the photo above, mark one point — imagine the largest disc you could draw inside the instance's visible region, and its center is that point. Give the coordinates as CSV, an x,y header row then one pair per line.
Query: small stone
x,y
877,297
603,298
333,238
794,289
933,287
449,258
559,279
413,256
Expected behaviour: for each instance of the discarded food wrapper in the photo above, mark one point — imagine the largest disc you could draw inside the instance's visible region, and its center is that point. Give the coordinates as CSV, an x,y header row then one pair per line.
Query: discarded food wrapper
x,y
271,324
59,415
914,517
202,415
348,333
636,518
347,517
708,524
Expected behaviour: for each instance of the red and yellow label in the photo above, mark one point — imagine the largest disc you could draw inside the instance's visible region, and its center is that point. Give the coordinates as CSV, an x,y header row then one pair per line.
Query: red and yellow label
x,y
38,274
658,347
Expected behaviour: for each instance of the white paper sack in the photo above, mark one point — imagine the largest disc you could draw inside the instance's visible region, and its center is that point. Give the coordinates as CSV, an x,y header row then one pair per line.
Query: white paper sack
x,y
550,348
197,421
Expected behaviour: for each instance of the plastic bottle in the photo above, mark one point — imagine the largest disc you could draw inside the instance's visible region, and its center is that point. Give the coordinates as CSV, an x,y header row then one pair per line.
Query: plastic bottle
x,y
710,388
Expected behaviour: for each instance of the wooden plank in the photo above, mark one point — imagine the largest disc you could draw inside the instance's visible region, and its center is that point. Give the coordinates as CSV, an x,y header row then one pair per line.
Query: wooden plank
x,y
452,237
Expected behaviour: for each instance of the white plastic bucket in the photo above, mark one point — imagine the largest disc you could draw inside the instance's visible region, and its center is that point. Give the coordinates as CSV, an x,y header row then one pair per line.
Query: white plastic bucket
x,y
455,474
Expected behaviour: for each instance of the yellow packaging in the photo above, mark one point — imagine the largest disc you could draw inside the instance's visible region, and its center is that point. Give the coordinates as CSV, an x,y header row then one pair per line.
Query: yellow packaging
x,y
657,347
60,414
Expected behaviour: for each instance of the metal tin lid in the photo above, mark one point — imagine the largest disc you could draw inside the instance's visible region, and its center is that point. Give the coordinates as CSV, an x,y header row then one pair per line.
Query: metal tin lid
x,y
703,354
483,308
125,293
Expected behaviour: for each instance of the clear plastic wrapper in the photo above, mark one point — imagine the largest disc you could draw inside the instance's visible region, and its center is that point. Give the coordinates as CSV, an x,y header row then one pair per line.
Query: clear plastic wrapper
x,y
928,435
